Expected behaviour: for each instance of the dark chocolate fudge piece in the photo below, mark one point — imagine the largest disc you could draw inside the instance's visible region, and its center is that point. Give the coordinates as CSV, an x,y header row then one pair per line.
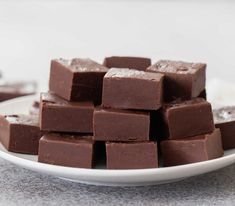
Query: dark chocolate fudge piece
x,y
132,89
66,150
224,119
192,149
121,125
77,79
182,79
34,109
136,155
138,63
187,118
20,133
10,90
57,114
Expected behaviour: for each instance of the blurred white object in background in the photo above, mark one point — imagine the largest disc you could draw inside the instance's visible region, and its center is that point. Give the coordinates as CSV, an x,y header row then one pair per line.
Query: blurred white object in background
x,y
220,93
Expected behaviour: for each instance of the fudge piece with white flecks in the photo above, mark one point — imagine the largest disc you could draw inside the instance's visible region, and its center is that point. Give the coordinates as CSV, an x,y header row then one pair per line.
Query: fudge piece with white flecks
x,y
132,89
182,79
77,79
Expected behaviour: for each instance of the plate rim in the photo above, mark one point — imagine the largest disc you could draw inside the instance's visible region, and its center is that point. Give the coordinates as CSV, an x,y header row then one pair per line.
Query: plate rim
x,y
91,175
101,172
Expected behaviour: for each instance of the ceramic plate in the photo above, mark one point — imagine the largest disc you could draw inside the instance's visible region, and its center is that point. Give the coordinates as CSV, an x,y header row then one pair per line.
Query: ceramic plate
x,y
136,177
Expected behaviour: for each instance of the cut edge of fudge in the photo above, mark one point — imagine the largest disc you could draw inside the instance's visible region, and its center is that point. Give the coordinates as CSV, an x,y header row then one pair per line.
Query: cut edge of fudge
x,y
171,110
59,115
206,142
68,151
25,126
120,125
138,159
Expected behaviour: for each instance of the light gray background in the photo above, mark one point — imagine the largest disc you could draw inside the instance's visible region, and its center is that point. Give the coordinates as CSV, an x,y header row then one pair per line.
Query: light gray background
x,y
33,32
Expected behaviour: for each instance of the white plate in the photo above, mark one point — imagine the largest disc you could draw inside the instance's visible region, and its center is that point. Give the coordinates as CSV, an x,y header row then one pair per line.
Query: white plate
x,y
135,177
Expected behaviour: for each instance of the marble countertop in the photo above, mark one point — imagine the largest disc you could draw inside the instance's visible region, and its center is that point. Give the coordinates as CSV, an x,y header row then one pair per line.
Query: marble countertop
x,y
22,187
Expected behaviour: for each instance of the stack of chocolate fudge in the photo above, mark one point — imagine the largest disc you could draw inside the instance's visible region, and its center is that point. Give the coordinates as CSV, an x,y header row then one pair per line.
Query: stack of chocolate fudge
x,y
126,110
188,131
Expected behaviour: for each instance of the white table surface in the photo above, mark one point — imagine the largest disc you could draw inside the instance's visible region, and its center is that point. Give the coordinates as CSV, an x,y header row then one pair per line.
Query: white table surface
x,y
33,32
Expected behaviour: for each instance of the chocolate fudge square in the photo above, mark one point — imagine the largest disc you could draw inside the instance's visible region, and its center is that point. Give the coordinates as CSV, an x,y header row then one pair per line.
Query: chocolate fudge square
x,y
182,79
66,150
20,133
132,89
224,119
13,89
121,125
77,79
138,63
57,114
135,155
193,149
187,118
